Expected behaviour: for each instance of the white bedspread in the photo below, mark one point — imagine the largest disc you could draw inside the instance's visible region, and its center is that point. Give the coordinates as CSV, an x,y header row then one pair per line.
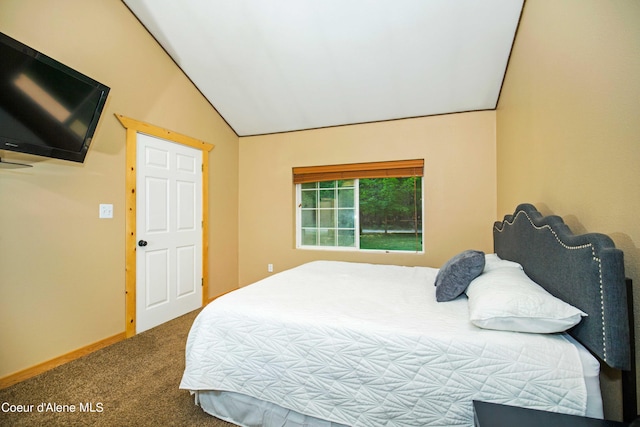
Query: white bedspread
x,y
368,345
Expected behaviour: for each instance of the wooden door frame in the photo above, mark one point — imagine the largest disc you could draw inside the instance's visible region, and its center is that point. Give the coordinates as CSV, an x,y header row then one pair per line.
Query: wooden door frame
x,y
134,127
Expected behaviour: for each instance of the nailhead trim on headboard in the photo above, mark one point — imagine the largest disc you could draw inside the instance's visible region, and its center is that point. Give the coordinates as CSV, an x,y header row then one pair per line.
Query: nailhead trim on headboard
x,y
566,246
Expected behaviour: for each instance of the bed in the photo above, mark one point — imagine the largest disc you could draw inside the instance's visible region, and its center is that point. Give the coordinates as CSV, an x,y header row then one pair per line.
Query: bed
x,y
334,343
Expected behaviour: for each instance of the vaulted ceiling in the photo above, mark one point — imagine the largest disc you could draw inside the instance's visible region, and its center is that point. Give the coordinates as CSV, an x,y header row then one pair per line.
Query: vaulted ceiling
x,y
271,66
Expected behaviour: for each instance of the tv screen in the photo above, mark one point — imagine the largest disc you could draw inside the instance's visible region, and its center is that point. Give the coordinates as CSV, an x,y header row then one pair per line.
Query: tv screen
x,y
46,108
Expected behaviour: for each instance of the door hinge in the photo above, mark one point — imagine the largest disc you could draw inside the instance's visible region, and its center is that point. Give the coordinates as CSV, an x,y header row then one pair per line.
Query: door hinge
x,y
202,281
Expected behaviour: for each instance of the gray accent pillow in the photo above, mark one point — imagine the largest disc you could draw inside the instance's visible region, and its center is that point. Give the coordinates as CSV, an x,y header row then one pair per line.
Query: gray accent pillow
x,y
456,274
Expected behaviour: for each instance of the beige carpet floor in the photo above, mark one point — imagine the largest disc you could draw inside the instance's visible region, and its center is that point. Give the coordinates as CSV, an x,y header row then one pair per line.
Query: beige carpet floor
x,y
131,383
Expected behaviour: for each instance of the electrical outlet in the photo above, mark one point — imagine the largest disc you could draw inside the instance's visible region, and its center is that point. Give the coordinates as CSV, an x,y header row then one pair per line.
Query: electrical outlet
x,y
106,211
270,268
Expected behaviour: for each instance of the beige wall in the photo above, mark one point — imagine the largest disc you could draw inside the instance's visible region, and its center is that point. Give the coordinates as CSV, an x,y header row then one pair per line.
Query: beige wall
x,y
61,268
460,186
568,121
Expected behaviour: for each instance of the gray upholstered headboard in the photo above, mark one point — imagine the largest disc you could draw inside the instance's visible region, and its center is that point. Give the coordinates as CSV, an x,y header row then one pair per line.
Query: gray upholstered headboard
x,y
585,270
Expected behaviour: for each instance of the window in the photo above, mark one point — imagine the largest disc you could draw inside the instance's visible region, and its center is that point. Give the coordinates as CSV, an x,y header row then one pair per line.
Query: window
x,y
367,213
328,213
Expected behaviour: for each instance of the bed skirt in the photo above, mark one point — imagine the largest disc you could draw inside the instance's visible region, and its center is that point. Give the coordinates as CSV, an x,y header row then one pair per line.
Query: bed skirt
x,y
247,411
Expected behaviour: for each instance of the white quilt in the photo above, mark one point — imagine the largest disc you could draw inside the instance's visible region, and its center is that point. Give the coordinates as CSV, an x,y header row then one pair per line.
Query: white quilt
x,y
368,345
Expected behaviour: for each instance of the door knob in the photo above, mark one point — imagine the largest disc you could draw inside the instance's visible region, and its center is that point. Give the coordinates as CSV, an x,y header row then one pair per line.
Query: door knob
x,y
142,243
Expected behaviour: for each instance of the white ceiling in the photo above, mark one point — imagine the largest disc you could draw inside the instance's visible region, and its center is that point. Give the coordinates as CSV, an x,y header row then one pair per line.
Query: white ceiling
x,y
271,66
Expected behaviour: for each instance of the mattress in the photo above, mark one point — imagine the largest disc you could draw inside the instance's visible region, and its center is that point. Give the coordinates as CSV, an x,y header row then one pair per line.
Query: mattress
x,y
368,345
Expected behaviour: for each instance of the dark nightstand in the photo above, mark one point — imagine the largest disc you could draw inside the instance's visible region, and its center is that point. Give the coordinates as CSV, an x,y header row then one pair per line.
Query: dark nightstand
x,y
495,415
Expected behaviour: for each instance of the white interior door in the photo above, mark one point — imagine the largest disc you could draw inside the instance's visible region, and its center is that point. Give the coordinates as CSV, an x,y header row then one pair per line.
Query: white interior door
x,y
168,231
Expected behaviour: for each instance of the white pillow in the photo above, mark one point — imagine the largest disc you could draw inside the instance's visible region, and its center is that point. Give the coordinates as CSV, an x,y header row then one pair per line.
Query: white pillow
x,y
506,299
493,261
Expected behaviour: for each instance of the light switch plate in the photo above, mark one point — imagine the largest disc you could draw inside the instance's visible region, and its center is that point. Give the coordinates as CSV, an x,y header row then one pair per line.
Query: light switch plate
x,y
106,211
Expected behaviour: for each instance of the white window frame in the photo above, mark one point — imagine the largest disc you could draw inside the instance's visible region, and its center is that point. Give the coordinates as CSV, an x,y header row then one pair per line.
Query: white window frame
x,y
356,247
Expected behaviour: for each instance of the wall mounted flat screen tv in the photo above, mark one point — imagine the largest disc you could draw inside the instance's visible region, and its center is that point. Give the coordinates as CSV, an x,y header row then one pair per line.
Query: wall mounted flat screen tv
x,y
46,108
